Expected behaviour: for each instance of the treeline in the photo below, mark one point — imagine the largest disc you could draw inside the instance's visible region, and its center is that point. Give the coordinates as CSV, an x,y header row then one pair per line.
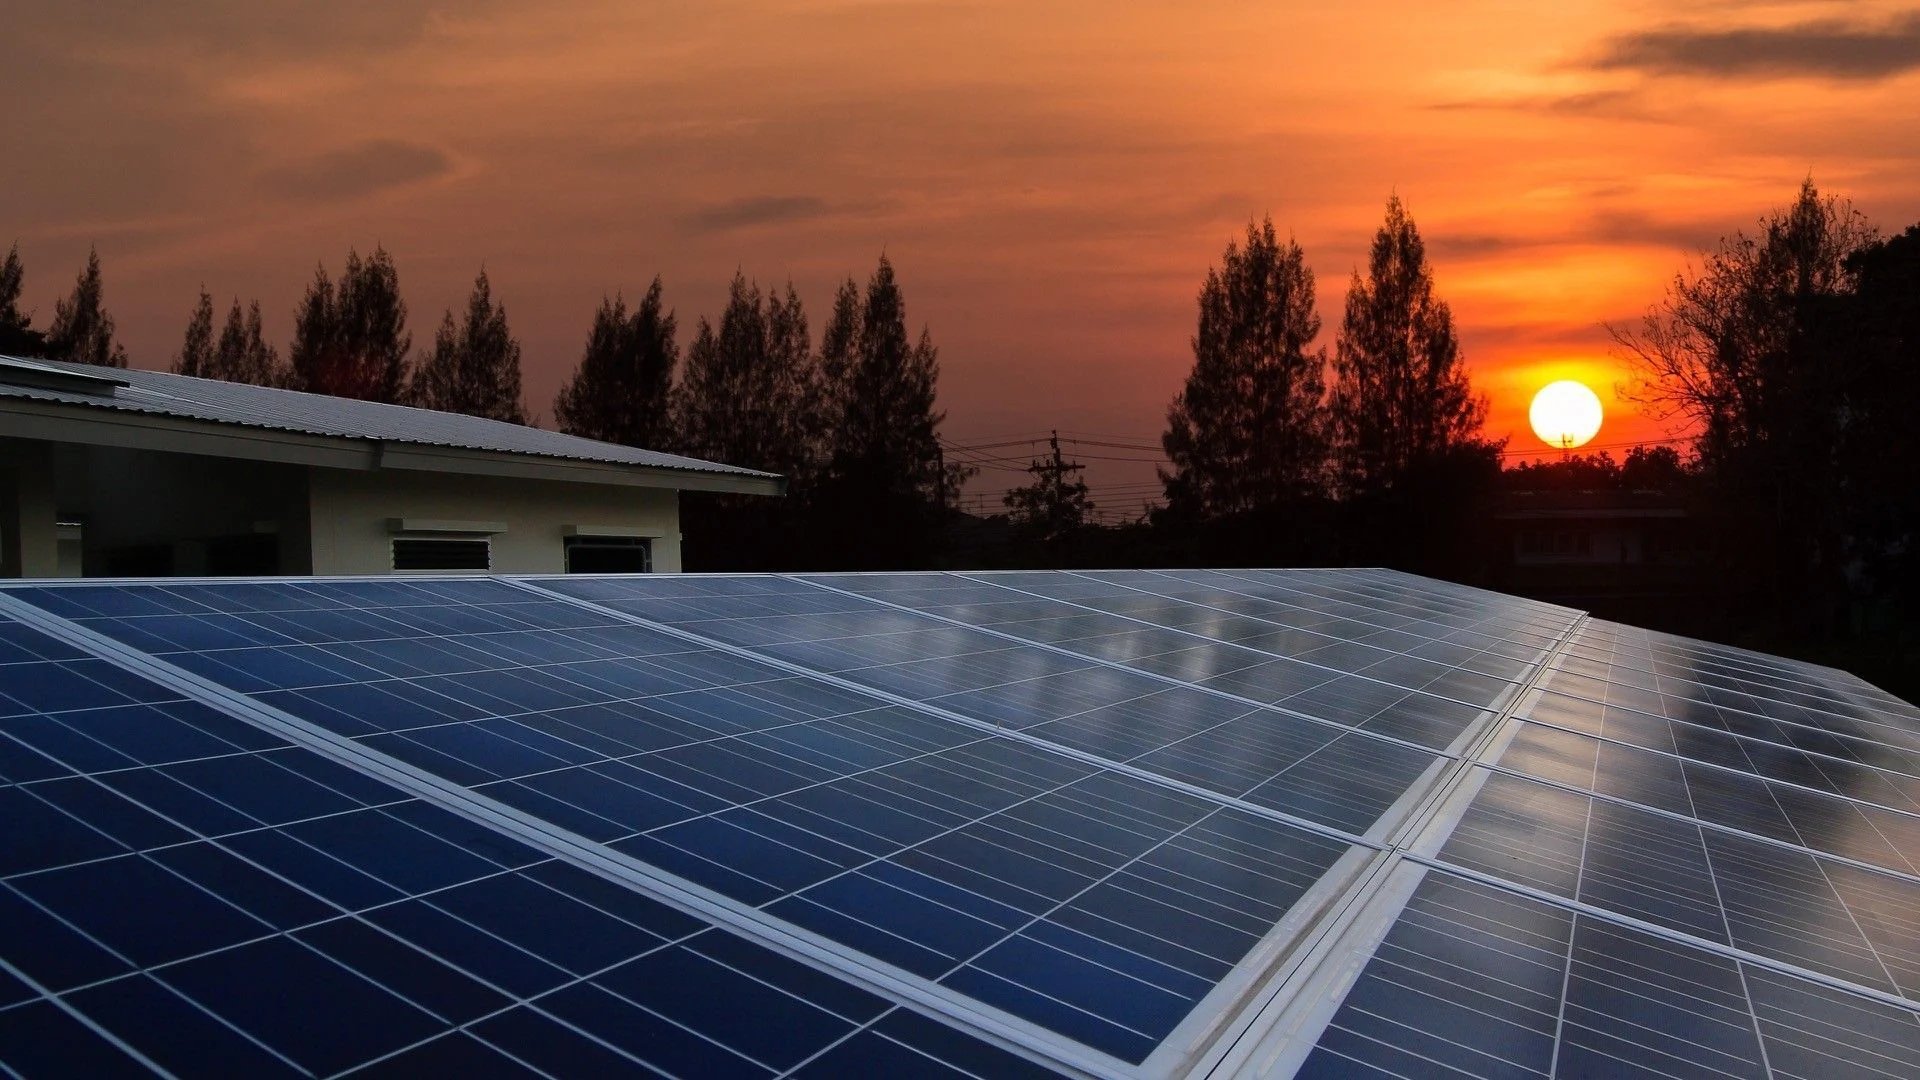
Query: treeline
x,y
1281,452
852,423
1654,469
1795,353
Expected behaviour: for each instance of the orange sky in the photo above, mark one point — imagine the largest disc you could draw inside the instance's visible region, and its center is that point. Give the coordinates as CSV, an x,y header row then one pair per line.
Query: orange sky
x,y
1051,180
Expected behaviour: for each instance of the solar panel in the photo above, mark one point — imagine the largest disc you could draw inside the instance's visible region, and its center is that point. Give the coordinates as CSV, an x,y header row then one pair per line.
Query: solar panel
x,y
1116,823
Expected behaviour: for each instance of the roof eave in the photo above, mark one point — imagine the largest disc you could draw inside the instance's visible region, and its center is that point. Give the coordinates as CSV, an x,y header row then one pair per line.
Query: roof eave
x,y
105,426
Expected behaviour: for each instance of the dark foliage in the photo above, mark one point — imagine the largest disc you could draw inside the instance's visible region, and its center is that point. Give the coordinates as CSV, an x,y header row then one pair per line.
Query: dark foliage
x,y
621,390
747,393
1055,506
1249,429
887,486
350,338
1404,414
1645,468
474,367
242,354
17,335
82,331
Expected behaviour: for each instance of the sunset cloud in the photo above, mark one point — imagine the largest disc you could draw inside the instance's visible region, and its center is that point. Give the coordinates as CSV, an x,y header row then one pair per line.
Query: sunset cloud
x,y
357,170
1052,182
1825,48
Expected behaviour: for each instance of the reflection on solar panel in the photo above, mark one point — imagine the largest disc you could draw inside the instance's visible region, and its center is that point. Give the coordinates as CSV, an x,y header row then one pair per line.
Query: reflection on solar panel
x,y
1128,823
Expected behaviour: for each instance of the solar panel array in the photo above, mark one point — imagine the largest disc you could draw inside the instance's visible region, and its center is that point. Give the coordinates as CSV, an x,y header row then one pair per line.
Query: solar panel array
x,y
1121,823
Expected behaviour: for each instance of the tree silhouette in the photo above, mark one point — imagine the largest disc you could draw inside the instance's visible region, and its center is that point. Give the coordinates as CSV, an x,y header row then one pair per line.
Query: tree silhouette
x,y
350,339
1749,349
1055,505
82,331
1402,405
195,357
1249,429
1653,468
747,391
1727,349
621,390
887,481
1878,329
474,367
242,354
17,336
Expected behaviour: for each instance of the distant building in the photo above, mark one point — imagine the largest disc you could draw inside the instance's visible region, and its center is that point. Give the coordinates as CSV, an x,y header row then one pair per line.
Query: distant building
x,y
1617,552
142,473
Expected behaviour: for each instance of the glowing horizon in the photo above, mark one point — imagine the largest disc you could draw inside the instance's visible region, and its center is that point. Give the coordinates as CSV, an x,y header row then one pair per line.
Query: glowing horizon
x,y
1052,185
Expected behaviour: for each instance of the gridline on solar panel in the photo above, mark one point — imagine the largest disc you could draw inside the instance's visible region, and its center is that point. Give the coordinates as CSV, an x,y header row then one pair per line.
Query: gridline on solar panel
x,y
1315,771
182,891
1743,740
1793,906
1092,903
1234,607
1389,693
1489,983
1803,694
1388,600
1819,821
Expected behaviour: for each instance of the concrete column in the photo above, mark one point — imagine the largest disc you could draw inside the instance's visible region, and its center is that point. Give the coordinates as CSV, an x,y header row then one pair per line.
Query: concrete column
x,y
666,554
29,516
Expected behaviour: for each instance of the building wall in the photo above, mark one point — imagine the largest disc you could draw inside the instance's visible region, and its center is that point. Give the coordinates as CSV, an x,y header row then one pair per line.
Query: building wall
x,y
351,514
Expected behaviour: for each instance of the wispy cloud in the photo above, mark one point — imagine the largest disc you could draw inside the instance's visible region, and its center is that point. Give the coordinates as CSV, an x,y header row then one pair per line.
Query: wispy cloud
x,y
356,170
1612,104
1822,48
763,210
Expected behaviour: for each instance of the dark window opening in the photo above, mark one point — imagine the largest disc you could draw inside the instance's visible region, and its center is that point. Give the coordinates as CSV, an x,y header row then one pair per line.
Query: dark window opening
x,y
435,553
609,555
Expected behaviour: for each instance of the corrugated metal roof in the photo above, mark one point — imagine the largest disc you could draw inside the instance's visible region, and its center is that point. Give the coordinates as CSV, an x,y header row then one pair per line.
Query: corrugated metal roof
x,y
162,394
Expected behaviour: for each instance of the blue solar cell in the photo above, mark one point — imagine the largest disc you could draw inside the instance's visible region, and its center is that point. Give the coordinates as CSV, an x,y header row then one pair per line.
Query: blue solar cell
x,y
1099,906
39,1039
172,1032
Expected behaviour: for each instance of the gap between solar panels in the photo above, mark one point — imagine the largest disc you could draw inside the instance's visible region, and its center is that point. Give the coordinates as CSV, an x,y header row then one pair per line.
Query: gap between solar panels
x,y
1302,1003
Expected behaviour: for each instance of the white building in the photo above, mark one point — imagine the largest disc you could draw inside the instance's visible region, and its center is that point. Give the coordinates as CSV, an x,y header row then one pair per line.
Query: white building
x,y
142,473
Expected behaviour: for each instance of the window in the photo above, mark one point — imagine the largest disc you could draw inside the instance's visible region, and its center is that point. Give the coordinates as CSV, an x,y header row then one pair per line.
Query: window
x,y
609,555
441,553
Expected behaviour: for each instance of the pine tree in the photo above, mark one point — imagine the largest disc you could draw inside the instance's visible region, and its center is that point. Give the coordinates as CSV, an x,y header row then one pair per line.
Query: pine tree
x,y
243,355
1249,429
886,440
1401,404
621,390
350,338
195,357
839,346
1053,506
17,336
82,331
747,389
886,469
474,367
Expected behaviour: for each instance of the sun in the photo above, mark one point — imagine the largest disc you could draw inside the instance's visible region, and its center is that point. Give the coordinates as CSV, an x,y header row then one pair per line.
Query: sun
x,y
1565,414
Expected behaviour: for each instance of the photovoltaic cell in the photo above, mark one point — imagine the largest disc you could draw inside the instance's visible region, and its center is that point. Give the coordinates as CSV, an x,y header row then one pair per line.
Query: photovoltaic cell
x,y
218,900
900,824
1033,883
1318,771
